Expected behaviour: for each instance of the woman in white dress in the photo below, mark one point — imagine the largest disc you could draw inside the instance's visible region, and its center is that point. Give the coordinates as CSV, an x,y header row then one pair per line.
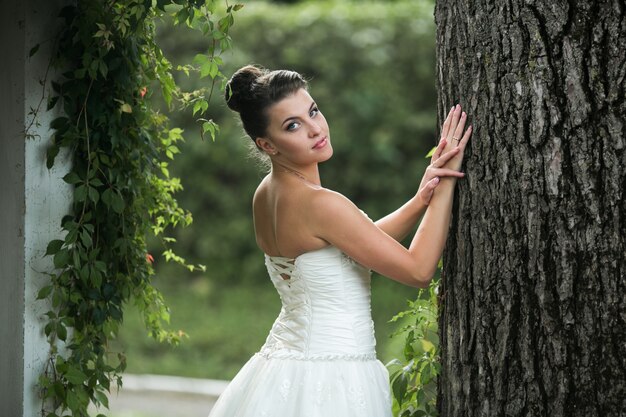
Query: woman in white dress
x,y
319,359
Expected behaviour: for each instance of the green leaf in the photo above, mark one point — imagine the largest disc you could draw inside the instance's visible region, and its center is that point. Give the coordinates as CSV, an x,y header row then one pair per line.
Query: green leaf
x,y
44,292
117,202
105,159
96,278
71,236
72,178
75,375
33,50
61,258
209,68
80,193
94,195
86,238
76,258
409,351
59,389
125,108
196,107
52,101
101,266
107,197
61,331
48,329
181,16
59,123
84,273
57,298
102,398
104,69
431,152
73,402
54,246
51,154
399,387
211,127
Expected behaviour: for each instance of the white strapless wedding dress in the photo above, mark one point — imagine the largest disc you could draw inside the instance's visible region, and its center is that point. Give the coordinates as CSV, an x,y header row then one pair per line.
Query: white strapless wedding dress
x,y
319,359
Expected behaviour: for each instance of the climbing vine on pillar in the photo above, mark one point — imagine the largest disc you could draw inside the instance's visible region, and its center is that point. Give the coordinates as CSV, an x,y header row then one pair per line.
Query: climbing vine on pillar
x,y
120,146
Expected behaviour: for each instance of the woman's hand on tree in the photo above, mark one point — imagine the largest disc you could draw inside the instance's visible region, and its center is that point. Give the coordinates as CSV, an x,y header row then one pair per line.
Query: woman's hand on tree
x,y
448,157
436,170
452,133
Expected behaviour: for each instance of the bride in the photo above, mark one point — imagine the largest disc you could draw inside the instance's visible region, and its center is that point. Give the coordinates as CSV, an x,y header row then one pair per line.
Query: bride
x,y
319,358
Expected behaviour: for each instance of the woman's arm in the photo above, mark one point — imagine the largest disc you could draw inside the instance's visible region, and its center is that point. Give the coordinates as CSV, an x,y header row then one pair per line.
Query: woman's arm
x,y
337,220
399,223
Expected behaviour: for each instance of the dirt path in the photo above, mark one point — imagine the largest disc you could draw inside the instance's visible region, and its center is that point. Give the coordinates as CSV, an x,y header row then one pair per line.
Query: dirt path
x,y
164,396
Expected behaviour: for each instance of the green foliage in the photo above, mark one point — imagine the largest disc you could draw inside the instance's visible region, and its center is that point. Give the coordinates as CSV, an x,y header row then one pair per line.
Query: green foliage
x,y
414,378
123,192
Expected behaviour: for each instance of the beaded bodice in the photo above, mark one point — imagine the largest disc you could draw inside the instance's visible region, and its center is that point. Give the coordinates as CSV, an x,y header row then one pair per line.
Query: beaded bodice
x,y
325,311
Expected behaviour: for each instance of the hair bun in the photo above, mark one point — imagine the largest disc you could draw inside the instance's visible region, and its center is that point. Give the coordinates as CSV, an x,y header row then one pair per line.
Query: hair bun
x,y
239,87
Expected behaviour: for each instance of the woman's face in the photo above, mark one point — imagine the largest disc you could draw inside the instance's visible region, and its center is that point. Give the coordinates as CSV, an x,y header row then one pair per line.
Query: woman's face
x,y
297,131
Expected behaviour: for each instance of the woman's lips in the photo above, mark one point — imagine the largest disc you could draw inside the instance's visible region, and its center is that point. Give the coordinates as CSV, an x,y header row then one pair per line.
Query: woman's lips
x,y
321,143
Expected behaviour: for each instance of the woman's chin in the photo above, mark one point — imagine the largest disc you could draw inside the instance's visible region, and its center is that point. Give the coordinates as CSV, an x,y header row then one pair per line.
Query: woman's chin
x,y
328,154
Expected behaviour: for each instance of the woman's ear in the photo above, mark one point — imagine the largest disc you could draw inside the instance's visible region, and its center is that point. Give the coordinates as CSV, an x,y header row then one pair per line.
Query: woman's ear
x,y
266,146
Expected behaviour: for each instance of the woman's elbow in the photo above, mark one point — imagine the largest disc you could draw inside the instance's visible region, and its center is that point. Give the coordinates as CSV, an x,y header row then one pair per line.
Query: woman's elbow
x,y
421,279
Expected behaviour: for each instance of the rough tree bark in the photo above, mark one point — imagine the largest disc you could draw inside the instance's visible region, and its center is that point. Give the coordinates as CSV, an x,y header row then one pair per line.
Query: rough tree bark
x,y
533,298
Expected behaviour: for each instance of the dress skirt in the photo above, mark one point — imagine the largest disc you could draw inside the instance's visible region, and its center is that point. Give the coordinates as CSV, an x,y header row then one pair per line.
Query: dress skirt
x,y
279,387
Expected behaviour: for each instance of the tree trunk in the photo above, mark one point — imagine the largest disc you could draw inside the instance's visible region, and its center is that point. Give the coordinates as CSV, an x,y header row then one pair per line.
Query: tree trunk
x,y
533,295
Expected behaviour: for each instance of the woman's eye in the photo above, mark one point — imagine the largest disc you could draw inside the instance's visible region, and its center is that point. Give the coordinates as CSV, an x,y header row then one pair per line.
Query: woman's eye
x,y
314,112
292,126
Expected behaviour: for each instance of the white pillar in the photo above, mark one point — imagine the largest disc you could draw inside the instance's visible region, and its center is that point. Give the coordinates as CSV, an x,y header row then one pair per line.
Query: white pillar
x,y
33,199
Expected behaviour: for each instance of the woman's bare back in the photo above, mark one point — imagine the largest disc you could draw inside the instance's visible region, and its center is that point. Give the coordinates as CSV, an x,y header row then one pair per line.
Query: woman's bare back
x,y
280,208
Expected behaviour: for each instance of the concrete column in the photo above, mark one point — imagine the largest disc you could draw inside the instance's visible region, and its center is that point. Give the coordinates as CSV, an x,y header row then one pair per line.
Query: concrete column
x,y
33,199
12,210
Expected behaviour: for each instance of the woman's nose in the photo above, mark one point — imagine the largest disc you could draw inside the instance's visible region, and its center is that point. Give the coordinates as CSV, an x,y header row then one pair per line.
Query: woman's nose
x,y
315,129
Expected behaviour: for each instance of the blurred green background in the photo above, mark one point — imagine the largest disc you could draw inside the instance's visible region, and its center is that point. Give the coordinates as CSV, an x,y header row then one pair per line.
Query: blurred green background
x,y
371,67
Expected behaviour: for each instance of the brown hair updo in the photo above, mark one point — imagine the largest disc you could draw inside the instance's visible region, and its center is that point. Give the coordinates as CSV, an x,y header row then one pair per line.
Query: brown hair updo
x,y
252,90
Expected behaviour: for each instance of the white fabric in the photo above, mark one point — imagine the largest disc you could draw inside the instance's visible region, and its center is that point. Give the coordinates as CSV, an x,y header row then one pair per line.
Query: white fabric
x,y
319,359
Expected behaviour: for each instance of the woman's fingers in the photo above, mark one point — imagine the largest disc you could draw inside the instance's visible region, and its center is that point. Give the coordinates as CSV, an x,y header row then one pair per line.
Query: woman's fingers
x,y
427,191
447,172
454,121
446,124
440,148
466,137
457,133
444,158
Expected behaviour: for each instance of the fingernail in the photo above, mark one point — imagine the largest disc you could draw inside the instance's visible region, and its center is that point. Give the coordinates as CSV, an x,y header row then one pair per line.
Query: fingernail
x,y
451,108
436,180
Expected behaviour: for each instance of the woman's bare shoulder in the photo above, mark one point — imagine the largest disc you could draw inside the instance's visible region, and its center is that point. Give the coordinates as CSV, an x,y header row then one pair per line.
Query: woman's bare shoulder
x,y
324,199
260,194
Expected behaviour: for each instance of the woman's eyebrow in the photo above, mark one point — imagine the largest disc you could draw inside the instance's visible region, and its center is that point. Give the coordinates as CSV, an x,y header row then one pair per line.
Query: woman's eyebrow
x,y
295,117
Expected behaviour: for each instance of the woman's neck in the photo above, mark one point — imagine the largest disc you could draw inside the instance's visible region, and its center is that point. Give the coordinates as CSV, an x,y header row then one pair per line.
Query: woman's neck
x,y
309,174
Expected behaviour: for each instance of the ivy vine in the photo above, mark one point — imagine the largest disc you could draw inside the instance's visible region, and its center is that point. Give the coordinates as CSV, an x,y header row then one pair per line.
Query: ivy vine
x,y
123,193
